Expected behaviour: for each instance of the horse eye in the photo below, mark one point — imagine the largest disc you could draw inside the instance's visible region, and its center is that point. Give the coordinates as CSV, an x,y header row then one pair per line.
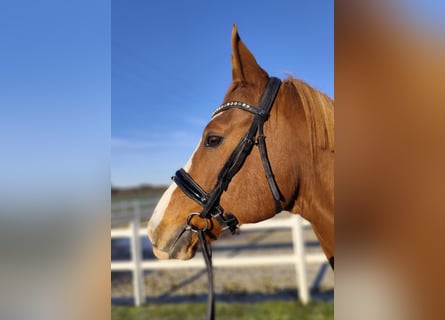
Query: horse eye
x,y
213,141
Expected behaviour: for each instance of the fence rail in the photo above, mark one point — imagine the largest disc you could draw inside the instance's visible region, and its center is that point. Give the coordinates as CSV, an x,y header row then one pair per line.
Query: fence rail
x,y
299,258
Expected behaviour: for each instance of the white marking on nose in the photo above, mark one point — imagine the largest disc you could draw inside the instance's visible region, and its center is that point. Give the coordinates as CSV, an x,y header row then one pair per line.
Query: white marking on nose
x,y
161,207
159,211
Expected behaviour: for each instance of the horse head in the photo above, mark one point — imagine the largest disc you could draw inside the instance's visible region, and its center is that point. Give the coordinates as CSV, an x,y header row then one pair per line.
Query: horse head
x,y
247,196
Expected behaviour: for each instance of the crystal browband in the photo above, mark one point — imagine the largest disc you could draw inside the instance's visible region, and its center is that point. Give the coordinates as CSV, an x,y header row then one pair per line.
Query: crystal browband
x,y
235,104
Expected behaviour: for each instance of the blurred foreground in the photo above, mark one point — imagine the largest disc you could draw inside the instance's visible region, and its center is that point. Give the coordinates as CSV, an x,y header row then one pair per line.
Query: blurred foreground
x,y
271,310
389,174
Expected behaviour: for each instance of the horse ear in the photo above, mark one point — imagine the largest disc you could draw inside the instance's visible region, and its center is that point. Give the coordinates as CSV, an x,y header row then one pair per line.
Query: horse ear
x,y
244,66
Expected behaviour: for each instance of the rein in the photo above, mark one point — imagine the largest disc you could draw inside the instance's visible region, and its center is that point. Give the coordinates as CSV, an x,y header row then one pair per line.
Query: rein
x,y
209,201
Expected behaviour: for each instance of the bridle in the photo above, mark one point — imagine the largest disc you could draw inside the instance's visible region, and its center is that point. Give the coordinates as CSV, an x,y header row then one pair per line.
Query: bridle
x,y
210,201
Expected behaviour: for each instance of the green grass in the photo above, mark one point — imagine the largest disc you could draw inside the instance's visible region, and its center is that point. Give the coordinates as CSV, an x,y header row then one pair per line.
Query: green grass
x,y
272,310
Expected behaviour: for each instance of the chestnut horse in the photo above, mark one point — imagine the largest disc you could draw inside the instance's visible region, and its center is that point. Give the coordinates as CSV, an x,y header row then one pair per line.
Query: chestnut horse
x,y
295,173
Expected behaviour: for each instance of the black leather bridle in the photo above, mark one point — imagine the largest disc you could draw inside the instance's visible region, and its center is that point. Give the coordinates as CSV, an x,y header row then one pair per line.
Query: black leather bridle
x,y
210,201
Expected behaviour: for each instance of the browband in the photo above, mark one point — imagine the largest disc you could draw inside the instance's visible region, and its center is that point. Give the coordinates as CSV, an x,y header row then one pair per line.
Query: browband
x,y
235,104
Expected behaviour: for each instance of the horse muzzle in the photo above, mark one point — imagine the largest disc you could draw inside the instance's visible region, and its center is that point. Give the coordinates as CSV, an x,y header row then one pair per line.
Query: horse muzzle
x,y
158,253
181,246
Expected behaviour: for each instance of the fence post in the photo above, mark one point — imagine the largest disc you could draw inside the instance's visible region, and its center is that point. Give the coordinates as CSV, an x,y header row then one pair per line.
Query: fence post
x,y
300,260
138,275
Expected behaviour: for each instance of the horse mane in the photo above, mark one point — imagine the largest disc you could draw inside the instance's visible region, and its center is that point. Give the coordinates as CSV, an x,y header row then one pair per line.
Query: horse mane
x,y
319,112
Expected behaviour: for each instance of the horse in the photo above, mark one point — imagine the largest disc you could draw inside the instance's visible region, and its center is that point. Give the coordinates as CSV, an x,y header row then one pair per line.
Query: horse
x,y
268,147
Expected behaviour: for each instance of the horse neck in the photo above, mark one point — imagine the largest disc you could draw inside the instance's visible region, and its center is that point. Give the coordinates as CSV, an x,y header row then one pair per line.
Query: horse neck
x,y
315,197
315,202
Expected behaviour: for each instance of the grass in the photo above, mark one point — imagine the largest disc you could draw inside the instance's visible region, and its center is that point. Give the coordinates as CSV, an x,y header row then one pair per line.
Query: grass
x,y
271,310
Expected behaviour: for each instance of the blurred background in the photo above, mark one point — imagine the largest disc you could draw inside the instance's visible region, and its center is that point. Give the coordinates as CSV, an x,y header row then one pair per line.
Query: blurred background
x,y
389,177
55,125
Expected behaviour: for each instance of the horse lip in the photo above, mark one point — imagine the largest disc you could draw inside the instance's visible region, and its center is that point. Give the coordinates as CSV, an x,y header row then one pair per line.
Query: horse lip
x,y
160,254
172,251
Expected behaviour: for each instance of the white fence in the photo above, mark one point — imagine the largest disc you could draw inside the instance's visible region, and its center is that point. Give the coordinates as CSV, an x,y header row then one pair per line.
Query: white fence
x,y
136,265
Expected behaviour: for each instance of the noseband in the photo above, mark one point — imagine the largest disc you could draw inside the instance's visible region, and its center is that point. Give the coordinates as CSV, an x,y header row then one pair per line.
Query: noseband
x,y
209,201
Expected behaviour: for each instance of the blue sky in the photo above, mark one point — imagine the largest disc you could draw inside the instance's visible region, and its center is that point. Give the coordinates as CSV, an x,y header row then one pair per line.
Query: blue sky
x,y
171,68
168,63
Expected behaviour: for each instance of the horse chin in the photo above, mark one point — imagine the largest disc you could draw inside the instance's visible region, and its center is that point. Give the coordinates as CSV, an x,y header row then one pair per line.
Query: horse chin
x,y
178,254
162,255
184,255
